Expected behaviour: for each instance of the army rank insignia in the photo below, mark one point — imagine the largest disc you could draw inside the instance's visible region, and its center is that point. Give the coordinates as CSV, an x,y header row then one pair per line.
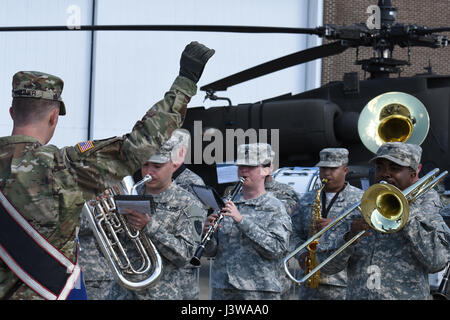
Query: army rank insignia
x,y
85,146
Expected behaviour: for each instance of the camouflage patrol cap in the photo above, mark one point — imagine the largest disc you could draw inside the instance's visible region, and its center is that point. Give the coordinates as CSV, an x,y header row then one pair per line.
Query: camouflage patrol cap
x,y
333,157
403,154
170,148
254,154
39,85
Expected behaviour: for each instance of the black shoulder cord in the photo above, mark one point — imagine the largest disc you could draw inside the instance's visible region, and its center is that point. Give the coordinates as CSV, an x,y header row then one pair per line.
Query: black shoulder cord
x,y
325,210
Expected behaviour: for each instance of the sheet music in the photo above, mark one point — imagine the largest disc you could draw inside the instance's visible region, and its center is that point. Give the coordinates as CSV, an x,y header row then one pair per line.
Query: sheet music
x,y
226,173
207,197
140,204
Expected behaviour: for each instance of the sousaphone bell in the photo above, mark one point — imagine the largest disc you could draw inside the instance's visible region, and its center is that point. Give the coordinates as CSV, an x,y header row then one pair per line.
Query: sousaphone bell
x,y
393,117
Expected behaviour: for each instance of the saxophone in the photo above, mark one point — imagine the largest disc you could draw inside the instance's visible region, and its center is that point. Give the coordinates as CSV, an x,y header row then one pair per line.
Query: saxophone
x,y
311,260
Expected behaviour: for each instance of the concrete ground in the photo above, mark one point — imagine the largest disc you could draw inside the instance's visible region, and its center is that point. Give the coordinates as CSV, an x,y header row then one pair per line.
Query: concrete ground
x,y
204,280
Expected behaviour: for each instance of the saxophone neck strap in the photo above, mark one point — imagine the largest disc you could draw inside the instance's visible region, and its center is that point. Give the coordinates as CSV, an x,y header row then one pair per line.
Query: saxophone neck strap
x,y
326,209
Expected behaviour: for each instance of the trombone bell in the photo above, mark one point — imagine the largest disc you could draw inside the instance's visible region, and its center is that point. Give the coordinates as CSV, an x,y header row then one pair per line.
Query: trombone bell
x,y
385,208
393,117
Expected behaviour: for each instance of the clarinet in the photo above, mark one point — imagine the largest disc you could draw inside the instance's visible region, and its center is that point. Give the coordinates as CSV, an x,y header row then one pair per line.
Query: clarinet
x,y
212,229
441,293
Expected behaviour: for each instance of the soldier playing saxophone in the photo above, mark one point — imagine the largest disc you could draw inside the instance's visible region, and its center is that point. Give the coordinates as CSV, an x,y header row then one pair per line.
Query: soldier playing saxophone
x,y
335,197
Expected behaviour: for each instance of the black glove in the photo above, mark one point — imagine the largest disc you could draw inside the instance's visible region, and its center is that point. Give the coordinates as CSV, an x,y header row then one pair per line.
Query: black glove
x,y
193,60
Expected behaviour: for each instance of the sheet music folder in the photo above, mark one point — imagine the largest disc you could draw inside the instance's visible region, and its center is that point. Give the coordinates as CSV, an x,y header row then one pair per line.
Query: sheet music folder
x,y
139,203
208,196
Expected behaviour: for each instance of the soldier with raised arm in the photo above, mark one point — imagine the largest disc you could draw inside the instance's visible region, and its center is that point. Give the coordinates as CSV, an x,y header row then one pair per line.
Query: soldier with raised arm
x,y
48,186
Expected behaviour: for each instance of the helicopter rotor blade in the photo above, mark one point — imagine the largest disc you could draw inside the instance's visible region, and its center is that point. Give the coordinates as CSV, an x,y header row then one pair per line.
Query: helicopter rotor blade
x,y
194,28
276,65
432,30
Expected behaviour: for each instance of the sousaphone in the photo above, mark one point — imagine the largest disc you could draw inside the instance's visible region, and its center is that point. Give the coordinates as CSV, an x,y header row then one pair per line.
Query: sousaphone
x,y
393,117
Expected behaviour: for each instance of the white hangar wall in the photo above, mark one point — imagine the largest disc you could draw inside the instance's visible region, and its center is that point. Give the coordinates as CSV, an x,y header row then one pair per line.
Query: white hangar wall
x,y
132,70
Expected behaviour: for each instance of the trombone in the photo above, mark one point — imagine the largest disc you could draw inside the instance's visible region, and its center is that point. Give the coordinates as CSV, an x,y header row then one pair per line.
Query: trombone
x,y
383,206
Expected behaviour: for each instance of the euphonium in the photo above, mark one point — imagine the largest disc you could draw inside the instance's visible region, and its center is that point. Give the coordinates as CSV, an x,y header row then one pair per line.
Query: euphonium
x,y
311,260
107,224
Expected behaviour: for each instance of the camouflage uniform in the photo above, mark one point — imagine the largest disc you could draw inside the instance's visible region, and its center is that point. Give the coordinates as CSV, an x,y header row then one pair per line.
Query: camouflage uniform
x,y
174,228
97,276
396,265
185,180
445,211
248,254
49,185
286,194
283,192
331,287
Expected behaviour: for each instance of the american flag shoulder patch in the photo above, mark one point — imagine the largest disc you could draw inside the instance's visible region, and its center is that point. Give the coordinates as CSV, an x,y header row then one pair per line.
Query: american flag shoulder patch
x,y
85,146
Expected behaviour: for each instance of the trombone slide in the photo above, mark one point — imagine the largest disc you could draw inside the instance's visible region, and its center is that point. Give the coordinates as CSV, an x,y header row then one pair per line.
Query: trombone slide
x,y
313,238
404,197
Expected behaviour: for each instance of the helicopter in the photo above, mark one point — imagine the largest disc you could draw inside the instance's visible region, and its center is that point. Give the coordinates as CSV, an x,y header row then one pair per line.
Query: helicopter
x,y
410,109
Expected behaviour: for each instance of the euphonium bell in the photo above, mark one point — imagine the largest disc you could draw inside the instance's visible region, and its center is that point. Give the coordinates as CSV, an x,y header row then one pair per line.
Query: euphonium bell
x,y
393,117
